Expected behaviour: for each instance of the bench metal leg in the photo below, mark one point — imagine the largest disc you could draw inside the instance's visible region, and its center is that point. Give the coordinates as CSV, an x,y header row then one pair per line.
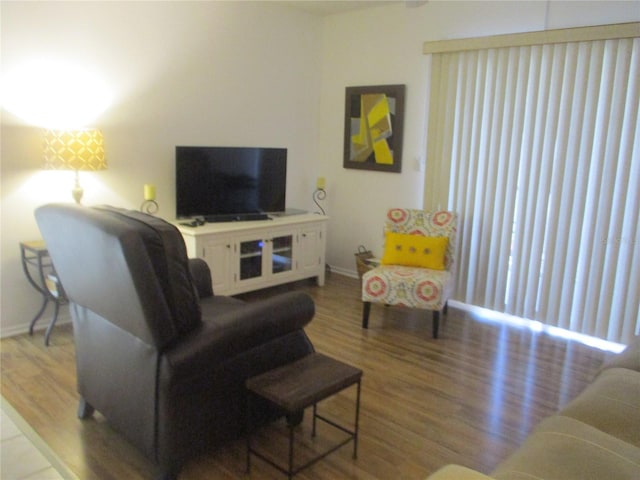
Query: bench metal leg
x,y
290,453
357,424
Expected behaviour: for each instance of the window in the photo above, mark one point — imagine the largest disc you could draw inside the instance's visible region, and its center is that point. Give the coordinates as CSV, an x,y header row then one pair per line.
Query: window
x,y
539,136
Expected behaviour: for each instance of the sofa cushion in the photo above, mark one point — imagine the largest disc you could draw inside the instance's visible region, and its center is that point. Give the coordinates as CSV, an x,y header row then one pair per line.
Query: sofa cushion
x,y
409,286
628,358
457,472
611,404
563,448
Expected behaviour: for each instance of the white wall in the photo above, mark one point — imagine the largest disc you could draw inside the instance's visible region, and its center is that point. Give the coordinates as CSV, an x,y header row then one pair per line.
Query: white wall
x,y
190,73
240,73
383,45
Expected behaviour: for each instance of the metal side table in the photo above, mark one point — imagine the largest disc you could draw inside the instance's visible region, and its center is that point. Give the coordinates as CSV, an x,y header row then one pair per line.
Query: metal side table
x,y
40,273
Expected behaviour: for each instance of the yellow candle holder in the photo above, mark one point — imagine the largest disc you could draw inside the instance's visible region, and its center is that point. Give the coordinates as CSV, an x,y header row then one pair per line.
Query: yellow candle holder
x,y
149,204
320,194
149,192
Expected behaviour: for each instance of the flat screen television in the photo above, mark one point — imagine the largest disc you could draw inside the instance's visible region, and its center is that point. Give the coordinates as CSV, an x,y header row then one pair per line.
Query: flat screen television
x,y
221,183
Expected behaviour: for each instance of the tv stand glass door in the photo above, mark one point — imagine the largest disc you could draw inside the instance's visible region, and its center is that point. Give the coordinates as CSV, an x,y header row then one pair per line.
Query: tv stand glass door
x,y
251,254
263,257
282,254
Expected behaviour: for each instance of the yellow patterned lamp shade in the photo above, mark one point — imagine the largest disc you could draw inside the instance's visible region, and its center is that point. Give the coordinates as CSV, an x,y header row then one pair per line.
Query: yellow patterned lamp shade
x,y
74,150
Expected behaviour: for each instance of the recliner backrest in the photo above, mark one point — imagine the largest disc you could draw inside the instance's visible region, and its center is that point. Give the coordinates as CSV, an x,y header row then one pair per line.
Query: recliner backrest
x,y
128,267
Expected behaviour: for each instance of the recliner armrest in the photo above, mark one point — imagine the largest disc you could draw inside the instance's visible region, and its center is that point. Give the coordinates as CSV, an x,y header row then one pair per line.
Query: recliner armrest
x,y
201,275
240,328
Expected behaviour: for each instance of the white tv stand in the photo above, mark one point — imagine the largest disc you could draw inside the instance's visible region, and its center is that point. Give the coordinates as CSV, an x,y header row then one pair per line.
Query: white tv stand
x,y
250,255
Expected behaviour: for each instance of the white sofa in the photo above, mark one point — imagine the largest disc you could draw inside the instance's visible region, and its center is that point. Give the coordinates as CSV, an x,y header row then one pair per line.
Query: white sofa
x,y
596,436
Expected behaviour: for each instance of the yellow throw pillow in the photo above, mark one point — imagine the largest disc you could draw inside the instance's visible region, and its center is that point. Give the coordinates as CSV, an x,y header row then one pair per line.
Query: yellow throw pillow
x,y
415,250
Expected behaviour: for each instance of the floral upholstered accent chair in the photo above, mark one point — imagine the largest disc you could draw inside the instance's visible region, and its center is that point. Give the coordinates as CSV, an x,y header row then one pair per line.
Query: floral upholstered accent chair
x,y
416,269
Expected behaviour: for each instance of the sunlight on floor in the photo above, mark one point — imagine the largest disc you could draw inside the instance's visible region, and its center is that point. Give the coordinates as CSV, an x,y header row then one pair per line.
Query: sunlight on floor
x,y
484,314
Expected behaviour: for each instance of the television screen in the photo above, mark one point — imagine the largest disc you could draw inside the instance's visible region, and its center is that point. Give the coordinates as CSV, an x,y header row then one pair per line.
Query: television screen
x,y
225,181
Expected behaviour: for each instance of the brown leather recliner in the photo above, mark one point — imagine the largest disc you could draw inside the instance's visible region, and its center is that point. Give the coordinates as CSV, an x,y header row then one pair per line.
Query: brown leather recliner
x,y
161,357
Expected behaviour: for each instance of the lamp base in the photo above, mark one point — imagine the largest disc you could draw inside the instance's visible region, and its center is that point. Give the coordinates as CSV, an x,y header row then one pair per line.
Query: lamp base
x,y
77,191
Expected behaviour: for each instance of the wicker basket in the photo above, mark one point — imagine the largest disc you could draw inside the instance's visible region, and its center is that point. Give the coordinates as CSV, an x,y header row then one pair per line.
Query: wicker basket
x,y
362,255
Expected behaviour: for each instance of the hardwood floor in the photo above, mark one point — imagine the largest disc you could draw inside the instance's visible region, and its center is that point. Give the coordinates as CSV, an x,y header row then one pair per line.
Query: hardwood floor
x,y
470,397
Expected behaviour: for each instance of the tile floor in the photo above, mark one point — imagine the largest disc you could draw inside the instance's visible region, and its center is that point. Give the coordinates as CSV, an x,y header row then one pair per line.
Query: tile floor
x,y
23,454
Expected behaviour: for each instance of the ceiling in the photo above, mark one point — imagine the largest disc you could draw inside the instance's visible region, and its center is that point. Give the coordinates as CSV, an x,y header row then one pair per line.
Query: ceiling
x,y
330,7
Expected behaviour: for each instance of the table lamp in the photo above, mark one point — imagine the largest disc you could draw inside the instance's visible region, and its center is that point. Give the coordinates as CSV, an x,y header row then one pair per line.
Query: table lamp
x,y
74,150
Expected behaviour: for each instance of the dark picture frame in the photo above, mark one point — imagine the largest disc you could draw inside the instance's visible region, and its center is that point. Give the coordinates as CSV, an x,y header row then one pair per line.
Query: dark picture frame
x,y
373,127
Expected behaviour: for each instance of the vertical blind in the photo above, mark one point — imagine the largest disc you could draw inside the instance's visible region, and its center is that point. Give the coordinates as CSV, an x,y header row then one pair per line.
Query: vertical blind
x,y
541,144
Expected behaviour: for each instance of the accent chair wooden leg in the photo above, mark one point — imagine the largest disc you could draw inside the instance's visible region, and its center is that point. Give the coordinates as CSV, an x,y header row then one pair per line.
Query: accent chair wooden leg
x,y
366,308
445,309
85,409
436,323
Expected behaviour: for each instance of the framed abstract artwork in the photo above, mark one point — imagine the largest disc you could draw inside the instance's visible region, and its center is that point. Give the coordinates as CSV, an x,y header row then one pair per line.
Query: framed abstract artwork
x,y
373,122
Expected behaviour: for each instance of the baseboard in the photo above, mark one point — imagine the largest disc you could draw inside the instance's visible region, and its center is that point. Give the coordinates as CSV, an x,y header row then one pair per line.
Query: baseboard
x,y
16,330
343,271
